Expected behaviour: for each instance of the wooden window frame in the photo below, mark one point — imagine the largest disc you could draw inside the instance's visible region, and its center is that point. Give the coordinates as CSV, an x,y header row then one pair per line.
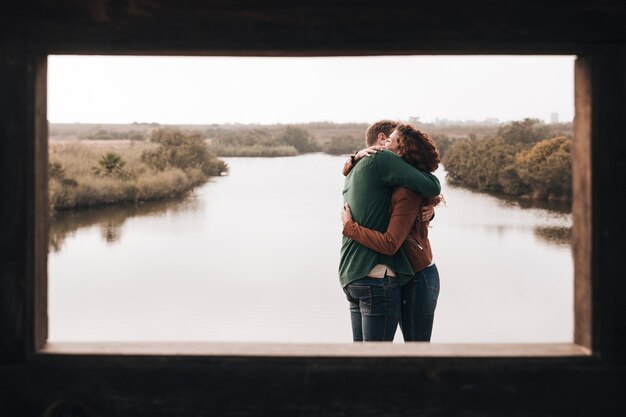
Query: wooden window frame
x,y
581,346
371,379
418,355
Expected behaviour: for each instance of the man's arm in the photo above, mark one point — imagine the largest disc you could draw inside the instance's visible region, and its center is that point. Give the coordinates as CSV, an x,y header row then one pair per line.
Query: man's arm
x,y
395,172
404,210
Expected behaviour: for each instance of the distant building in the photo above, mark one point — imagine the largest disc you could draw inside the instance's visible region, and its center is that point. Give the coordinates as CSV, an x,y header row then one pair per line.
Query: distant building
x,y
491,121
554,117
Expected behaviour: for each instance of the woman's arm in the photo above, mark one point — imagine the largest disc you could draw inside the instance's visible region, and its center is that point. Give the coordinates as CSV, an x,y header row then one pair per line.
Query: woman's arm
x,y
351,162
405,207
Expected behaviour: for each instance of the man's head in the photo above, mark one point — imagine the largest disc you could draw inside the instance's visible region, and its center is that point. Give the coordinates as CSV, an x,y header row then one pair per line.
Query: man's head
x,y
378,132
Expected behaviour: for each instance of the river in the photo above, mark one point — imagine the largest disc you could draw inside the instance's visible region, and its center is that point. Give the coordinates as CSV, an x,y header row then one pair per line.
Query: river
x,y
252,256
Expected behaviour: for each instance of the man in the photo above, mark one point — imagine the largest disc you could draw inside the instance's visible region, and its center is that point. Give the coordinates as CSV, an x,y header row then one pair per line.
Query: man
x,y
372,280
376,137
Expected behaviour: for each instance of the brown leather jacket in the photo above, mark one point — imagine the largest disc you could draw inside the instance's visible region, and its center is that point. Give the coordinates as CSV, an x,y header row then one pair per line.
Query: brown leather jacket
x,y
405,229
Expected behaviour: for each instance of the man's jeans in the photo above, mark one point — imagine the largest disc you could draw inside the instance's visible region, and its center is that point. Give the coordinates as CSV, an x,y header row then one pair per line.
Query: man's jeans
x,y
419,300
374,308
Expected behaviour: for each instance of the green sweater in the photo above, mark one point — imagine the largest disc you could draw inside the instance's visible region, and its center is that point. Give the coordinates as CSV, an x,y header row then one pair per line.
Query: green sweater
x,y
368,190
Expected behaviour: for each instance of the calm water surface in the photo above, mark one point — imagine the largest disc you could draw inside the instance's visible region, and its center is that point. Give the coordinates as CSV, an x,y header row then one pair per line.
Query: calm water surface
x,y
253,256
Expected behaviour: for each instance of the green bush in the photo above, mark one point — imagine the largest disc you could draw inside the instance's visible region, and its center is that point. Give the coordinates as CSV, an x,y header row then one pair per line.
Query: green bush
x,y
479,164
525,132
342,145
110,164
56,171
513,165
186,151
299,138
547,168
244,138
290,141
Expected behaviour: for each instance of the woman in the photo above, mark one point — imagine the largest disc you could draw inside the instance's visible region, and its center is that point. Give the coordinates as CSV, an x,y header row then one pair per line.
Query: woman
x,y
408,230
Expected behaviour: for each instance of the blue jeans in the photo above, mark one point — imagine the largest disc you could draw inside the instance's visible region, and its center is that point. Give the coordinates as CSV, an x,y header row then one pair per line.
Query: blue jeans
x,y
419,300
374,308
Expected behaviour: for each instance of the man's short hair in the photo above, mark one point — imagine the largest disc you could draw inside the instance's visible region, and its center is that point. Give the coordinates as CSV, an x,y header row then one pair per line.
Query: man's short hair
x,y
382,126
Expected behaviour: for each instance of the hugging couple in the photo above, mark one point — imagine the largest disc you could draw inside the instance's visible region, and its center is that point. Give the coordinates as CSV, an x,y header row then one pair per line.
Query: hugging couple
x,y
386,267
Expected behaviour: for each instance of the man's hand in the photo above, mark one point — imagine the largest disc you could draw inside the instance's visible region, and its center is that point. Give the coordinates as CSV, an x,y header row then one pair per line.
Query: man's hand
x,y
346,214
427,213
367,152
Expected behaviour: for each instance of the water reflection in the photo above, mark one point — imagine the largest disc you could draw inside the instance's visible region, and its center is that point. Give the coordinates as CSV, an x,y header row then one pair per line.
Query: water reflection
x,y
111,219
112,231
508,201
545,210
555,234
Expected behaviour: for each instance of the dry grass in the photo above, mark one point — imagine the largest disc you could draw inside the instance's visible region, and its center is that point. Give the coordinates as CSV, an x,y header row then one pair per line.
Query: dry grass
x,y
81,187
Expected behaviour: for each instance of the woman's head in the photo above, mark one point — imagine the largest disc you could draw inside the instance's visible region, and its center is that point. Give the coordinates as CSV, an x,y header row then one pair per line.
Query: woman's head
x,y
415,147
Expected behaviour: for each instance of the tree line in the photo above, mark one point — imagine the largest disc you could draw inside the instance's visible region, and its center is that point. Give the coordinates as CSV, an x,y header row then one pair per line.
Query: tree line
x,y
524,158
289,141
268,141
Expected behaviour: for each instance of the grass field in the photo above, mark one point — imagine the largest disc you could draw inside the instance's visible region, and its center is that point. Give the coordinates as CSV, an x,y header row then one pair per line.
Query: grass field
x,y
73,182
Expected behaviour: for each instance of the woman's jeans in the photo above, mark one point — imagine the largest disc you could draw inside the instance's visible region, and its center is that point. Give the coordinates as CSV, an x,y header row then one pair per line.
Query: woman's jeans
x,y
419,300
374,308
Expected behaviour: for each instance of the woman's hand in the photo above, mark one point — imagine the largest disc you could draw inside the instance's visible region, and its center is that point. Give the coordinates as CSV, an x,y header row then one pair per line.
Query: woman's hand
x,y
346,214
367,152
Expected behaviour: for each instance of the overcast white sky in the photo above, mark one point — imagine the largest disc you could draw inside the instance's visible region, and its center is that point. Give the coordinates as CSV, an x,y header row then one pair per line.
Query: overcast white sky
x,y
204,90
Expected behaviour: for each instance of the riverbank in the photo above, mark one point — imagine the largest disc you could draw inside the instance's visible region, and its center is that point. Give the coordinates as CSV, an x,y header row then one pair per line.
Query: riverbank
x,y
96,173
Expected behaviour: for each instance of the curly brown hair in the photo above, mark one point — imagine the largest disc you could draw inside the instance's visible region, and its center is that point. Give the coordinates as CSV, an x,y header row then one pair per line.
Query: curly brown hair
x,y
417,148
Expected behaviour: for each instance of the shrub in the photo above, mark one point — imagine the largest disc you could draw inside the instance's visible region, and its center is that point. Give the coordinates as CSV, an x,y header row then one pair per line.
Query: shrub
x,y
493,164
342,145
254,150
299,138
110,164
479,163
245,137
56,171
547,168
290,141
186,151
525,132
